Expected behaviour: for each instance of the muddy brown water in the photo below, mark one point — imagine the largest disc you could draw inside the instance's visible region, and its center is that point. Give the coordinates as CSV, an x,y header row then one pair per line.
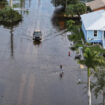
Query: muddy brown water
x,y
30,72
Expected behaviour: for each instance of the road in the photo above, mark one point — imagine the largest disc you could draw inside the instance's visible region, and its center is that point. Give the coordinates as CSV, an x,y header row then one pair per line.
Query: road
x,y
30,72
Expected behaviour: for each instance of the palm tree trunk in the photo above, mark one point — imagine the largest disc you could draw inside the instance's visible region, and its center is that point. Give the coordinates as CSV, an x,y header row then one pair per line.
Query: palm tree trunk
x,y
89,91
11,3
103,97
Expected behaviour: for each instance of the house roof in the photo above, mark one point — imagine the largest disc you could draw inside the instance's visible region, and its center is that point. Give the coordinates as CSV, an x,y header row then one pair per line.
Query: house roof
x,y
94,20
96,4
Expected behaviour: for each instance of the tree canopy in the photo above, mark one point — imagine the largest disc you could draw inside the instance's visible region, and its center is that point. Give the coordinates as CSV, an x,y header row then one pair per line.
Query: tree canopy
x,y
9,16
63,2
72,7
92,59
76,9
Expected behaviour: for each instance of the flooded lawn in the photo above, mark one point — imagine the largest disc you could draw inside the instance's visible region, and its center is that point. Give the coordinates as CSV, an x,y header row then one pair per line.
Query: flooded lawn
x,y
29,71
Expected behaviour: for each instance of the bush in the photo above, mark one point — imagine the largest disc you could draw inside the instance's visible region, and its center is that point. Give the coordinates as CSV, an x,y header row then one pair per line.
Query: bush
x,y
9,16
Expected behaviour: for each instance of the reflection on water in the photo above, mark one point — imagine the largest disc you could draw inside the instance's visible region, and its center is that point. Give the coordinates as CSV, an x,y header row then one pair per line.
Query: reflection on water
x,y
61,75
36,43
12,41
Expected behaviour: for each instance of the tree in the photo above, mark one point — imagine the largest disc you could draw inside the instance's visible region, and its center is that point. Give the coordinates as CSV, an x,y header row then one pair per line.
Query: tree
x,y
92,60
76,35
63,2
3,3
70,24
80,8
76,9
70,10
99,85
8,16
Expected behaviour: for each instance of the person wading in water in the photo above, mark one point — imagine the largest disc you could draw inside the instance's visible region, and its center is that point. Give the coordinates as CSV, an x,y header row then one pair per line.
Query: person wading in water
x,y
61,72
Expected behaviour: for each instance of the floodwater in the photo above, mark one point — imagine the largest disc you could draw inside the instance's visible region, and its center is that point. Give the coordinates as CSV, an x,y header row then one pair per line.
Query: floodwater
x,y
30,73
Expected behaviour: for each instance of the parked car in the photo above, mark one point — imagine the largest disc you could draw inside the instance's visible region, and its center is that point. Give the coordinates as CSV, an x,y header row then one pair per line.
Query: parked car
x,y
78,56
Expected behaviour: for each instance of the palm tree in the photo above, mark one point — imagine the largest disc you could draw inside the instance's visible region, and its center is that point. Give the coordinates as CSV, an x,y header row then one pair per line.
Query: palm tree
x,y
98,86
92,60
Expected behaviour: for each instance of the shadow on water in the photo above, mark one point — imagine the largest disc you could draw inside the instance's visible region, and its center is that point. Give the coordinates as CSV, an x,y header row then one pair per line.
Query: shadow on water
x,y
37,43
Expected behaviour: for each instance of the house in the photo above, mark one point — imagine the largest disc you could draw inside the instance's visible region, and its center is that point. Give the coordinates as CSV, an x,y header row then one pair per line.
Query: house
x,y
96,5
93,27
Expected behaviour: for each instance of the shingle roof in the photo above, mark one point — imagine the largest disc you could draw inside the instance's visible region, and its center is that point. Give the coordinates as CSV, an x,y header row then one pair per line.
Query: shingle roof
x,y
96,4
94,20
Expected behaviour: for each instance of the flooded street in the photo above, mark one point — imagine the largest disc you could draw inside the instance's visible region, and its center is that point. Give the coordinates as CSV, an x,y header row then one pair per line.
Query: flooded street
x,y
30,72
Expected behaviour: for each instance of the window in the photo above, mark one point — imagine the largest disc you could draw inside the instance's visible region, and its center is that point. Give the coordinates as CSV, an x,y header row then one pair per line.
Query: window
x,y
95,33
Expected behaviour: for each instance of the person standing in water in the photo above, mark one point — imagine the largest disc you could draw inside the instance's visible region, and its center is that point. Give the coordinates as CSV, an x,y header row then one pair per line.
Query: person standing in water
x,y
69,53
61,72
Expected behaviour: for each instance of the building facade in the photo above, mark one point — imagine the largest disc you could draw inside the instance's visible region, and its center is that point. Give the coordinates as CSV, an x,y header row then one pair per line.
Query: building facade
x,y
93,27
